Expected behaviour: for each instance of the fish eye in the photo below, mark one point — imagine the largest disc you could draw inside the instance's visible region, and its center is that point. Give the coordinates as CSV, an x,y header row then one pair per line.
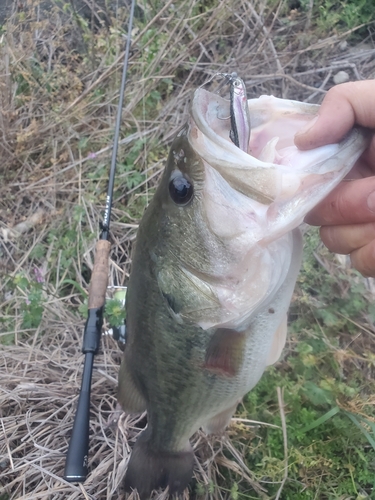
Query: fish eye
x,y
181,189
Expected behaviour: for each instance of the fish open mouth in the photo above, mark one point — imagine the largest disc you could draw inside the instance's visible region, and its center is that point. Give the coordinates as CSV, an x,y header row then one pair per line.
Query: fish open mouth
x,y
270,170
209,135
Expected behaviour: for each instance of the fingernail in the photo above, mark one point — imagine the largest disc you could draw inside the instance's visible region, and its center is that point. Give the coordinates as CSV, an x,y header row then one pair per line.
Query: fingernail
x,y
371,201
308,126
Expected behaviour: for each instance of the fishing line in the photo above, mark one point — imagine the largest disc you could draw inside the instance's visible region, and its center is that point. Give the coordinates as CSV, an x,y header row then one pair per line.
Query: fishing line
x,y
76,465
143,86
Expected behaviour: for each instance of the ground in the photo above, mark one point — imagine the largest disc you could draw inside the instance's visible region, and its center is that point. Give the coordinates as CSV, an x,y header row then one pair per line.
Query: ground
x,y
312,415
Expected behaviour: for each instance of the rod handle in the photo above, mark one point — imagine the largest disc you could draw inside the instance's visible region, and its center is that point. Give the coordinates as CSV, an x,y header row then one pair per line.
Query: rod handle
x,y
77,456
99,276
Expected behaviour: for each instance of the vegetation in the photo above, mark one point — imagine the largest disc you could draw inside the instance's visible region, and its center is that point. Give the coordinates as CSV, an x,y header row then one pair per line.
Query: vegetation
x,y
314,430
326,376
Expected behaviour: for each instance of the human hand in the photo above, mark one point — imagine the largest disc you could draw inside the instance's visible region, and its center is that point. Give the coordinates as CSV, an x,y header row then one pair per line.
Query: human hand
x,y
347,215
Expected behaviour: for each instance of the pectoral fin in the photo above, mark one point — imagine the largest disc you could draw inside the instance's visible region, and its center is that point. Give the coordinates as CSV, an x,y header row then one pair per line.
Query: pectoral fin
x,y
224,354
278,343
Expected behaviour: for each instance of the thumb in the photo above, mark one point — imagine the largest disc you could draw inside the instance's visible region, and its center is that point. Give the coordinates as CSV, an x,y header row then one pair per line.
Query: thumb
x,y
344,106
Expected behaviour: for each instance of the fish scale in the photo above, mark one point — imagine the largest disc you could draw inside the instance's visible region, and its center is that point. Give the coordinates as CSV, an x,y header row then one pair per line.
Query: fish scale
x,y
216,259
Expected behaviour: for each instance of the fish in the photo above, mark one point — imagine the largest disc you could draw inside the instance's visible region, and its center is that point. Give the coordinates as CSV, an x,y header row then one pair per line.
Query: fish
x,y
216,259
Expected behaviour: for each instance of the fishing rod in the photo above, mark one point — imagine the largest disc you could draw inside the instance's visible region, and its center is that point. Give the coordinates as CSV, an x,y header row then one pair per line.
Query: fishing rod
x,y
77,457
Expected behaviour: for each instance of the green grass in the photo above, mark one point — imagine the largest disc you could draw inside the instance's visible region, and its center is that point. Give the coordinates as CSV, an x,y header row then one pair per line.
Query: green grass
x,y
329,410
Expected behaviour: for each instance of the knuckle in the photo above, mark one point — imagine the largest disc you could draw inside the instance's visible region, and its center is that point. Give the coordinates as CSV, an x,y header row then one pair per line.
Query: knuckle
x,y
363,260
326,234
341,91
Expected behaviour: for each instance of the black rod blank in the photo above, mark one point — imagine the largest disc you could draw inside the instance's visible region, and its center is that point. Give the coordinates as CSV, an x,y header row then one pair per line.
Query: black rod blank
x,y
76,465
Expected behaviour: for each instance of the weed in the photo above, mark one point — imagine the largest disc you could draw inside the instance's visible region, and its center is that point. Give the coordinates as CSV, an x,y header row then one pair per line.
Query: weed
x,y
320,387
115,312
27,294
330,16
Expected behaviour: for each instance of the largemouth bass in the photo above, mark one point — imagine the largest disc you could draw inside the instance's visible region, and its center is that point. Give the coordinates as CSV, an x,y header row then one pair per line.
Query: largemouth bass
x,y
216,260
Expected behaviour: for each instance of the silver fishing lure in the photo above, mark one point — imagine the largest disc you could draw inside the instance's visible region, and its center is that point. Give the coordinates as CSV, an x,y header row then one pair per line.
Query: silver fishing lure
x,y
239,114
240,129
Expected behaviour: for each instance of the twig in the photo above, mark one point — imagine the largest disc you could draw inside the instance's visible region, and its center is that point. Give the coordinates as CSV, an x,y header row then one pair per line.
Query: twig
x,y
324,83
24,226
126,140
278,76
254,422
285,438
7,446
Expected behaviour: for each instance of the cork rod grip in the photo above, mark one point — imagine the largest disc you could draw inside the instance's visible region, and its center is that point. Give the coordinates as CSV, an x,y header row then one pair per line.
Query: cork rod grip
x,y
99,277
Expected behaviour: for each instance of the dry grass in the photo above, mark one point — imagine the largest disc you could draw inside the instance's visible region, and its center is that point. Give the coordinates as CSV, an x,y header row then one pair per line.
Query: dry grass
x,y
59,82
40,389
40,386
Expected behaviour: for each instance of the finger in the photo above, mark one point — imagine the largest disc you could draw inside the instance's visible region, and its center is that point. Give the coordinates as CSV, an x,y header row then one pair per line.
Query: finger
x,y
346,239
343,106
365,165
363,259
351,202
